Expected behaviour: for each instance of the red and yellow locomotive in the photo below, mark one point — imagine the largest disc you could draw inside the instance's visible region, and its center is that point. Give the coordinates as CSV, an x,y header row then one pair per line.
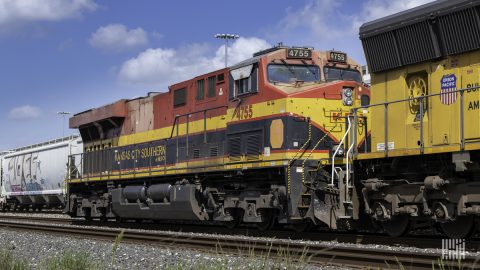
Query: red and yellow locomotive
x,y
246,144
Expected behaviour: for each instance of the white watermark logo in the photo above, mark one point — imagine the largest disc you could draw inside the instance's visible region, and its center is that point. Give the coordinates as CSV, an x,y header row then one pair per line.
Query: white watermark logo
x,y
453,249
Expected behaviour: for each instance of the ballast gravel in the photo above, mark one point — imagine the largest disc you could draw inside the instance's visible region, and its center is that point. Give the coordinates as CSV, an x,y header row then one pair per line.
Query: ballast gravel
x,y
134,256
36,247
34,214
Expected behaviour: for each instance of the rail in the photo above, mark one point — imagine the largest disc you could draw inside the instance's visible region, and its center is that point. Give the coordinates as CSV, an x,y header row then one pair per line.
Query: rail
x,y
318,253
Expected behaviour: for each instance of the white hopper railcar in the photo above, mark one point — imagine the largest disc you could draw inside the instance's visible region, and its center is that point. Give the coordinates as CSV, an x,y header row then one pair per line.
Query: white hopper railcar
x,y
32,177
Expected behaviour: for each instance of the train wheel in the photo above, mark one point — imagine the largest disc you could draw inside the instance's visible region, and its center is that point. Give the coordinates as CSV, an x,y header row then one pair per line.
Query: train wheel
x,y
268,220
232,224
397,226
88,214
461,227
237,219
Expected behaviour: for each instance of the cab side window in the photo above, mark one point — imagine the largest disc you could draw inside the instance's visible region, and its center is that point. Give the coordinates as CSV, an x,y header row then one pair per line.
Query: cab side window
x,y
200,89
180,97
211,86
244,80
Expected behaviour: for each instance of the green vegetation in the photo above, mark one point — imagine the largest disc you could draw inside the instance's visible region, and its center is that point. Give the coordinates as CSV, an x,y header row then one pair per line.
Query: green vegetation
x,y
250,258
245,257
70,261
9,262
116,244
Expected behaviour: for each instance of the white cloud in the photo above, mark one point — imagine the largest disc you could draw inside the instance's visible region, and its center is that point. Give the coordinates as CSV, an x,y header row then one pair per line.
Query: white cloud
x,y
374,9
323,24
24,112
116,37
316,16
161,67
21,11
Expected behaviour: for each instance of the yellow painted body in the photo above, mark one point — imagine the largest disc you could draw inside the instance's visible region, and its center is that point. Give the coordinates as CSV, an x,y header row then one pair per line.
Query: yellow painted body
x,y
441,123
321,111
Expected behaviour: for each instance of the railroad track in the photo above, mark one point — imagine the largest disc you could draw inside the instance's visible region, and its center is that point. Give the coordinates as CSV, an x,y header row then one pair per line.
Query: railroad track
x,y
314,253
418,241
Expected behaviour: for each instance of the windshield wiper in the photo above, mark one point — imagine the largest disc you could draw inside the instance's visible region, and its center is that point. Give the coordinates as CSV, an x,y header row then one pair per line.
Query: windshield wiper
x,y
309,68
341,73
288,67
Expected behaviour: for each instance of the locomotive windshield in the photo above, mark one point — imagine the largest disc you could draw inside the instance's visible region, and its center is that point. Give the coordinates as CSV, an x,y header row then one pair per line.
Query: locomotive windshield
x,y
293,73
334,74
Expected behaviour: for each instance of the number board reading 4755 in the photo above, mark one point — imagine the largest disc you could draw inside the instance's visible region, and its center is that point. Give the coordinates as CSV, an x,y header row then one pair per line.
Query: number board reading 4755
x,y
299,53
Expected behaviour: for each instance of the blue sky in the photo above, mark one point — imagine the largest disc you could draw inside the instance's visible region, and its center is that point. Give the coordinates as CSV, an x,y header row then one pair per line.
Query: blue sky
x,y
72,55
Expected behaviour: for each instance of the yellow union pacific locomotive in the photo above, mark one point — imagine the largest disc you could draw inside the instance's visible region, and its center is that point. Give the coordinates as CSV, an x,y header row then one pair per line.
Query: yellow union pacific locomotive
x,y
424,165
246,144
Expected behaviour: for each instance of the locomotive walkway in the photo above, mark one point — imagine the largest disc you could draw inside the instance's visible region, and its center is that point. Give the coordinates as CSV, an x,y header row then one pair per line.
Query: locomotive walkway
x,y
314,253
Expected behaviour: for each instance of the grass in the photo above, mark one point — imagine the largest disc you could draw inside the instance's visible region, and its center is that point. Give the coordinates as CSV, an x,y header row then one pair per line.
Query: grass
x,y
250,257
116,244
9,262
70,261
246,257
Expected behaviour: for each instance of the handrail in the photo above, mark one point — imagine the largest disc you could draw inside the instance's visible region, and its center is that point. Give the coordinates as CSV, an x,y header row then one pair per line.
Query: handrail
x,y
422,113
419,97
310,154
338,148
192,113
352,144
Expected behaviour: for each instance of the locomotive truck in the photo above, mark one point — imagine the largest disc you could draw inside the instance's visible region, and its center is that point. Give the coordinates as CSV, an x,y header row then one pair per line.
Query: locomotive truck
x,y
250,143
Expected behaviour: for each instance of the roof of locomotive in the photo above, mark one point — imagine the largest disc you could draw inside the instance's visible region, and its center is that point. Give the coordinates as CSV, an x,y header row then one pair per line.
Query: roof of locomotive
x,y
425,33
410,16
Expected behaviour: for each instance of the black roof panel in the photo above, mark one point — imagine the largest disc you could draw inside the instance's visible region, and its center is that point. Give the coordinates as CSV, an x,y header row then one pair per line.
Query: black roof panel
x,y
424,33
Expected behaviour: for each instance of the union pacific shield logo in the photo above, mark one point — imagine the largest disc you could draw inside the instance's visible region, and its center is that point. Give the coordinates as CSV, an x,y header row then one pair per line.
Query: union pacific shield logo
x,y
448,85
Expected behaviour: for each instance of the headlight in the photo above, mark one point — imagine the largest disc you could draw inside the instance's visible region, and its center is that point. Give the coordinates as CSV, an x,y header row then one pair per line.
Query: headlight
x,y
347,96
347,92
340,151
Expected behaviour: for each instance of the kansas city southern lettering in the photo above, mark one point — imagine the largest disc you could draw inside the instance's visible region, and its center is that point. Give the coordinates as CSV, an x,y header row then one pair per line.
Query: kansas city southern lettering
x,y
157,152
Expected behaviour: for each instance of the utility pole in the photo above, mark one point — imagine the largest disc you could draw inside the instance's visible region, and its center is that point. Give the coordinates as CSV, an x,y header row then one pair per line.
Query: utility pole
x,y
226,37
63,114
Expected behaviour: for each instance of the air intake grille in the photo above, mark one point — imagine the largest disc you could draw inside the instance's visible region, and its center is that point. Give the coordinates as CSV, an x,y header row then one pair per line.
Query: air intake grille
x,y
235,148
214,151
253,147
381,51
196,153
415,43
426,33
461,31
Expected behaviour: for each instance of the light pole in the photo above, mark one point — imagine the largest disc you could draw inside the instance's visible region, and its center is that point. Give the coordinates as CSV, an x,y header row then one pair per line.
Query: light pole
x,y
226,37
63,114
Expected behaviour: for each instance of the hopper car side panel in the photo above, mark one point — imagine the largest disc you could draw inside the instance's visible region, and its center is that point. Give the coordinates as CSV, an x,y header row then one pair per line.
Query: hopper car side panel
x,y
34,176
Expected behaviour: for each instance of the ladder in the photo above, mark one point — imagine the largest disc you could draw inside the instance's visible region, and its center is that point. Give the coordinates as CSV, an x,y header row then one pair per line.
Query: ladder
x,y
342,176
